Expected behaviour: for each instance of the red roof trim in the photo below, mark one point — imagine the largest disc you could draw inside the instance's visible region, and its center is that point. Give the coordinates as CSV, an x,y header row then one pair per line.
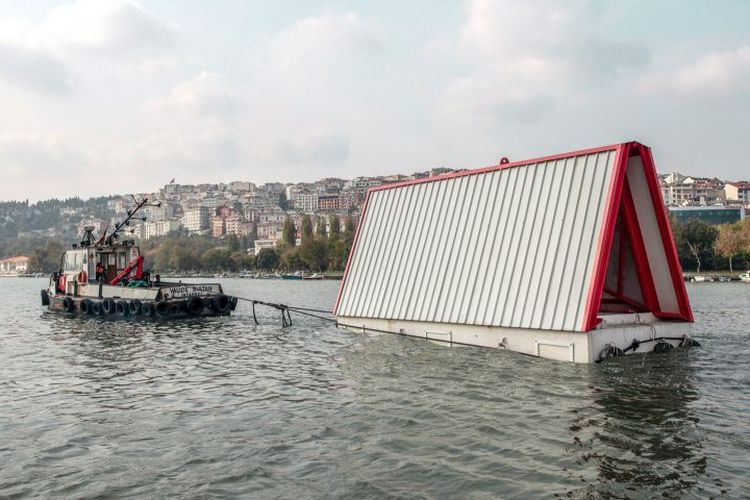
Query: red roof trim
x,y
660,212
492,168
619,191
604,245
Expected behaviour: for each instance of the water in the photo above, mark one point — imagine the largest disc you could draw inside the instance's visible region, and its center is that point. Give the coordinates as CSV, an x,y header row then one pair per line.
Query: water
x,y
221,408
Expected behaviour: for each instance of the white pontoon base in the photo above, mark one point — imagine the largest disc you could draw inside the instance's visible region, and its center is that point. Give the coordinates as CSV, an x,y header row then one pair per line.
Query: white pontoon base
x,y
617,331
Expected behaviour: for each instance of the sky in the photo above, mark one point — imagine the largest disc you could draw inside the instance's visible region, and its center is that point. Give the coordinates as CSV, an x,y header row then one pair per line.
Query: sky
x,y
111,96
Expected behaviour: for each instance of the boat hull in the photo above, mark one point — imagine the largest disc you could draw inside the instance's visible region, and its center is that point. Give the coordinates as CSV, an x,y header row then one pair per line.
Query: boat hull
x,y
159,307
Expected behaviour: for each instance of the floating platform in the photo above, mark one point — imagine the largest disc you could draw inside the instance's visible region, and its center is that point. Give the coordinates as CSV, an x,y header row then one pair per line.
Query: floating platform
x,y
566,257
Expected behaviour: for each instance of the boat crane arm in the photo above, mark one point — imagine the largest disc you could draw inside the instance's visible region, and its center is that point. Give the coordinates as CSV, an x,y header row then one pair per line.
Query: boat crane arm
x,y
137,263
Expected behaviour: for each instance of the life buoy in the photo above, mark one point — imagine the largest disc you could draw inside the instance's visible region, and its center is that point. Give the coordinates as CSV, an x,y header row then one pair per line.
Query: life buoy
x,y
83,277
61,283
194,306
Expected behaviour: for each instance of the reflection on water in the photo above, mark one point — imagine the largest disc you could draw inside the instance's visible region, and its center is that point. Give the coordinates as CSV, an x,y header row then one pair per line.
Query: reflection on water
x,y
640,432
222,407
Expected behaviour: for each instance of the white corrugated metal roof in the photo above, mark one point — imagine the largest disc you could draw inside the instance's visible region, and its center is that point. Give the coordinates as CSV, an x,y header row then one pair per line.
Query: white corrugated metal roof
x,y
511,247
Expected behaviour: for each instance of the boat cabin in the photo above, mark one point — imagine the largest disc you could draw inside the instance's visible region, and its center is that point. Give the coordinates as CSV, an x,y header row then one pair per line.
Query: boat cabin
x,y
79,265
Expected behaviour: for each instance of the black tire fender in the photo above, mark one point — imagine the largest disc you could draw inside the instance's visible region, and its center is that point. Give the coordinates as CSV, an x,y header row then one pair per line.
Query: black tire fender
x,y
135,307
194,306
87,306
220,304
68,304
108,306
122,308
147,308
162,309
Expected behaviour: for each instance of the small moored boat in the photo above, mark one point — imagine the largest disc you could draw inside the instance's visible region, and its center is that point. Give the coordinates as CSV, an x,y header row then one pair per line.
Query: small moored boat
x,y
106,277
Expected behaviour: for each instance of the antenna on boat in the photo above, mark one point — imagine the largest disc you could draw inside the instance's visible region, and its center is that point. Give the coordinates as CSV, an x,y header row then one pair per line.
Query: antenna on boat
x,y
120,226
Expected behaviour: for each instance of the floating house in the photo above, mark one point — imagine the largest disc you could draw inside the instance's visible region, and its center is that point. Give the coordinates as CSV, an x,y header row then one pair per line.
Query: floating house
x,y
567,257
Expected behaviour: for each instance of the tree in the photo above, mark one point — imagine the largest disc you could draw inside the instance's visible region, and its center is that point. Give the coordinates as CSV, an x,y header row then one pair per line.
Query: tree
x,y
730,241
232,242
698,239
338,253
242,260
283,201
306,228
289,232
267,259
216,259
335,224
314,254
745,228
291,260
46,259
349,231
320,228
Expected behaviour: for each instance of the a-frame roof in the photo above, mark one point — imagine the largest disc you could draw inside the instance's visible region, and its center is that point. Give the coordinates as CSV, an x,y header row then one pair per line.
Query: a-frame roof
x,y
521,244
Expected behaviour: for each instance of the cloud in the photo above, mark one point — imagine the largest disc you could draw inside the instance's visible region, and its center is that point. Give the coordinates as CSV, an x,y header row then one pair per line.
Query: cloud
x,y
323,149
101,25
35,69
44,55
37,166
716,73
321,44
205,95
200,153
524,57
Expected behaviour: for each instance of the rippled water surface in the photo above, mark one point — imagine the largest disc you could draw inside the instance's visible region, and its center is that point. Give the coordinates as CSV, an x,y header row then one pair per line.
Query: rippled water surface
x,y
222,408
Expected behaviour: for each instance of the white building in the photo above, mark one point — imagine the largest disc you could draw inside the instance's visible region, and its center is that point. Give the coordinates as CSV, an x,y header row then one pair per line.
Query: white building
x,y
305,202
195,219
261,244
14,265
362,184
739,191
241,186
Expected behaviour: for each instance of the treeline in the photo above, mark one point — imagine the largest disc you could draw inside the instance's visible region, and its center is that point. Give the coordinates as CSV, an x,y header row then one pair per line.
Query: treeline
x,y
700,247
323,248
703,247
18,217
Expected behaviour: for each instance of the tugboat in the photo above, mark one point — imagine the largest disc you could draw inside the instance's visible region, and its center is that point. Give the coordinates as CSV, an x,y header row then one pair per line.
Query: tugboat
x,y
106,277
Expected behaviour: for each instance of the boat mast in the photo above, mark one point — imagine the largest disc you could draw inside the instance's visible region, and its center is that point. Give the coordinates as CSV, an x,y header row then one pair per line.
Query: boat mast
x,y
119,227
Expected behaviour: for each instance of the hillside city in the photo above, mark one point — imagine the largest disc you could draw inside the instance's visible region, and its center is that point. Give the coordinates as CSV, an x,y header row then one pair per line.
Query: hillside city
x,y
255,214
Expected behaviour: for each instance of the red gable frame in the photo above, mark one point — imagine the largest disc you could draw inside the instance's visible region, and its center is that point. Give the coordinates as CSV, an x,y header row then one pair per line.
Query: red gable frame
x,y
620,201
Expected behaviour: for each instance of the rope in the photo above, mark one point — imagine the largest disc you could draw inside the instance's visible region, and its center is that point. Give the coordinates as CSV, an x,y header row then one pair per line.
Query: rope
x,y
286,317
286,320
